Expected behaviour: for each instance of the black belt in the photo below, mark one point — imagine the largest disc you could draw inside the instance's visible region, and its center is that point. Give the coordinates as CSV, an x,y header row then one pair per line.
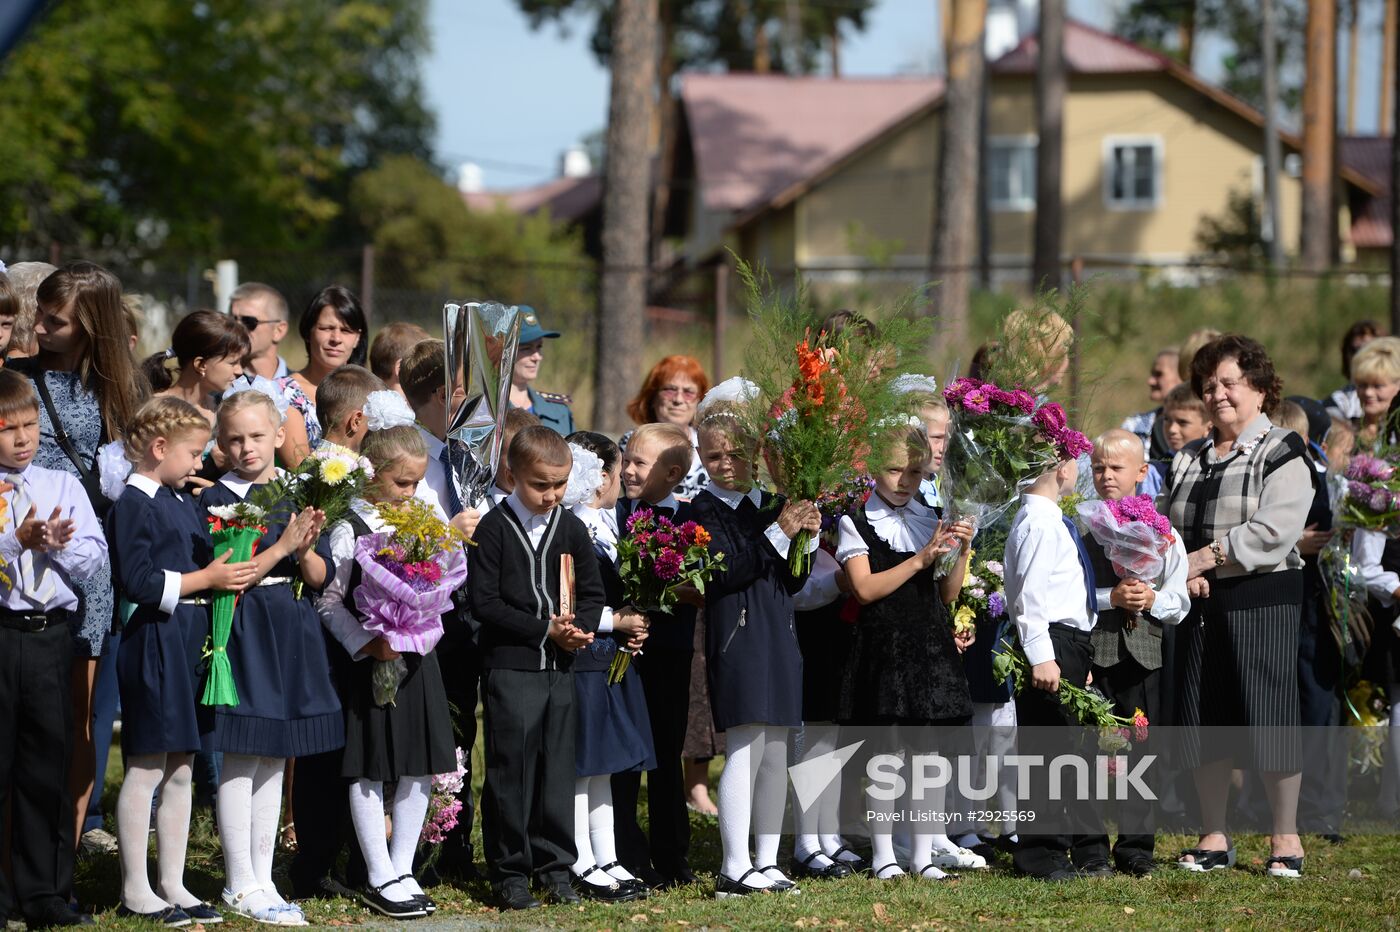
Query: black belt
x,y
1070,630
33,622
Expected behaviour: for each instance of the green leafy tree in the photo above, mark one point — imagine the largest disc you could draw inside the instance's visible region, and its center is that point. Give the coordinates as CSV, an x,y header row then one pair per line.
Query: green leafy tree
x,y
223,124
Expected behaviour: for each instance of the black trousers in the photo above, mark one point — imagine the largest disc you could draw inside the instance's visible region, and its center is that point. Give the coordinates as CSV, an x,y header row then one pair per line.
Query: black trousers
x,y
1130,686
461,677
1039,855
36,747
666,682
527,804
321,806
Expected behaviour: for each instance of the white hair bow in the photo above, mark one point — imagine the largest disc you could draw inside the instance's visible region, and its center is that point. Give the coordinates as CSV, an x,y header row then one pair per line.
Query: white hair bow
x,y
737,389
585,476
386,409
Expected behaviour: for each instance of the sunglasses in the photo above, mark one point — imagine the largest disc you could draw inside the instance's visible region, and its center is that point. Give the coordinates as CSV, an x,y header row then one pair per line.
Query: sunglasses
x,y
251,323
671,392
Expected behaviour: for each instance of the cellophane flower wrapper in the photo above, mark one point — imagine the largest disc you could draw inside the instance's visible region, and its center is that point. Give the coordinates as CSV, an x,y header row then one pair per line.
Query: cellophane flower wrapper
x,y
1136,549
242,541
1368,500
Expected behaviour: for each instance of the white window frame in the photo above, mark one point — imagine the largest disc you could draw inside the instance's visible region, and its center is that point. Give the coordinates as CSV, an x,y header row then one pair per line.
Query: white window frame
x,y
1159,179
1019,205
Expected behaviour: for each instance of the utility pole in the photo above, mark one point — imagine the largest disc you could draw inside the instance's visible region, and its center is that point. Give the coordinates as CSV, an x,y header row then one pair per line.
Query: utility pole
x,y
1272,155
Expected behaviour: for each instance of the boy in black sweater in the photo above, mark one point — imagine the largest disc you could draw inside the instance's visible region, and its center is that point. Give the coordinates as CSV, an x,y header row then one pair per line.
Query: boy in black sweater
x,y
527,642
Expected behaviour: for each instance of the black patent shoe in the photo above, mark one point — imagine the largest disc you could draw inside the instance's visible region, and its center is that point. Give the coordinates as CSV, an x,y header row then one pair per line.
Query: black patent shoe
x,y
423,899
636,884
374,898
781,884
859,866
1137,865
805,868
726,887
604,889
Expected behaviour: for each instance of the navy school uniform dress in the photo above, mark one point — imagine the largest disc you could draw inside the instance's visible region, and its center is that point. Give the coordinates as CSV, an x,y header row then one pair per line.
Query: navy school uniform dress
x,y
287,702
412,737
614,730
155,535
751,649
824,634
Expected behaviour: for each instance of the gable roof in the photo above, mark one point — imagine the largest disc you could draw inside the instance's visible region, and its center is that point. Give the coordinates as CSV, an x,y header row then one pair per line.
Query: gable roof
x,y
1369,156
756,135
566,199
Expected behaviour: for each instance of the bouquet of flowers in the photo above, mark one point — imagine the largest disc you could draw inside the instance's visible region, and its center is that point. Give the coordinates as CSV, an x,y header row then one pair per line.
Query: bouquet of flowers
x,y
1369,501
443,805
655,558
1134,535
329,479
237,528
999,442
1367,709
982,594
848,497
1088,706
408,574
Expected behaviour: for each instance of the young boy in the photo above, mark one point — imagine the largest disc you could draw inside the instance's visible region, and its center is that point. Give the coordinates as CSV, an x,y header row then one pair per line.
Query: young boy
x,y
391,346
51,539
657,459
1050,595
527,644
1183,420
1127,640
340,402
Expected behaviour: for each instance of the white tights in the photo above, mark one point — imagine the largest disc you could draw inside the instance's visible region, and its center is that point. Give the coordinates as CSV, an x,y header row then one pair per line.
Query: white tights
x,y
754,780
249,804
593,828
818,828
390,861
170,775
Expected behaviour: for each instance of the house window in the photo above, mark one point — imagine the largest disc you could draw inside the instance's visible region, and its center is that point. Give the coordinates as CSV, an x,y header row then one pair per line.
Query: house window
x,y
1133,172
1011,173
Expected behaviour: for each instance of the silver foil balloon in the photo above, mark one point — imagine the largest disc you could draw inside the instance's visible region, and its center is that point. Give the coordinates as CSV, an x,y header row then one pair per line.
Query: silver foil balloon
x,y
482,339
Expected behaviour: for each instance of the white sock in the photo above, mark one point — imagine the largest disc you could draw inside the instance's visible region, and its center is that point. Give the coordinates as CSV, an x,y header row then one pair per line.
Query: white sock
x,y
234,808
806,743
173,829
770,795
582,844
410,811
601,835
143,775
883,862
267,812
743,744
367,815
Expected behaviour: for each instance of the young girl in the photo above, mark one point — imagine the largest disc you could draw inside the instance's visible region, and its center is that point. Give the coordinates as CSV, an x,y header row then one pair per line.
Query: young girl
x,y
208,350
903,668
614,730
287,705
755,667
163,563
409,740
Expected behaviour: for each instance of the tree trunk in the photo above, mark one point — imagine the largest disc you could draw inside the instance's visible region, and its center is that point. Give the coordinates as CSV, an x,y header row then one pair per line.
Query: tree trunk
x,y
1049,163
1272,154
1353,50
666,116
622,292
1388,57
1319,134
1391,81
1186,32
953,245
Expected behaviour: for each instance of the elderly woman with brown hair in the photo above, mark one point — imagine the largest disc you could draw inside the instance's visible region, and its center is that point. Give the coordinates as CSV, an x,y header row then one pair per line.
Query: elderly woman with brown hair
x,y
1240,502
670,395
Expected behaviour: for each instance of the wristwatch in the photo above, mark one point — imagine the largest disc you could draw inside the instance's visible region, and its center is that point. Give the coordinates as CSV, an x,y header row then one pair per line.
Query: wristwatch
x,y
1219,552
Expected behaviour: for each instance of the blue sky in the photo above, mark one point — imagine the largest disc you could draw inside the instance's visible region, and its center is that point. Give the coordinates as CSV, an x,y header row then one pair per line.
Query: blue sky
x,y
512,99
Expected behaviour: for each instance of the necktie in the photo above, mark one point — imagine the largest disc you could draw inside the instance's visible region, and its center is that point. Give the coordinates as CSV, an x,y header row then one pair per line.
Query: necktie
x,y
454,501
34,581
1091,602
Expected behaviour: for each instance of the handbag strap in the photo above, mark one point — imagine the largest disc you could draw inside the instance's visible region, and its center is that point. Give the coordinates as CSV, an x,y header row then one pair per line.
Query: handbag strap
x,y
85,475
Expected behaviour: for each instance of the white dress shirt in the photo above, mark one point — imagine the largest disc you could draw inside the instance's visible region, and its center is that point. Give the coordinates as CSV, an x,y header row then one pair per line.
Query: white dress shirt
x,y
907,529
1367,548
170,595
533,524
79,559
1044,578
774,532
1172,603
435,478
602,527
338,616
820,589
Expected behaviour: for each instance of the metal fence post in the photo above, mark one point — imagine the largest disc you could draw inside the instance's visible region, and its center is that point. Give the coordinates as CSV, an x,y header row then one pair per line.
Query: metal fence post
x,y
367,280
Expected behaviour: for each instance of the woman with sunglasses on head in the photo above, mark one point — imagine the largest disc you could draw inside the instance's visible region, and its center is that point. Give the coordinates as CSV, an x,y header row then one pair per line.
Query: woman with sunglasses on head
x,y
335,332
552,409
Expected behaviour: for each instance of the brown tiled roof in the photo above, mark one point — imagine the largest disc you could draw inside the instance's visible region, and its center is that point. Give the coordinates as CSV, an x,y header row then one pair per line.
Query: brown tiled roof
x,y
1369,156
755,136
566,199
1087,51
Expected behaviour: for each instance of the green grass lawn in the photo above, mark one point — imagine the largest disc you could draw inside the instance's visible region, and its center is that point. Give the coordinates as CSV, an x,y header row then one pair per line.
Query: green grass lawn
x,y
1355,885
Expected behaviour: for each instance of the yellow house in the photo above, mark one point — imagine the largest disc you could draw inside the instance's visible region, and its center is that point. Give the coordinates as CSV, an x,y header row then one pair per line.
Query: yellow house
x,y
836,177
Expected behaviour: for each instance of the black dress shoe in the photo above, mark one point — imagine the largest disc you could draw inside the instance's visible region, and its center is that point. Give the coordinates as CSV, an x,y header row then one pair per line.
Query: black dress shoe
x,y
61,914
374,898
172,917
727,887
517,896
598,884
834,870
1137,865
780,884
637,884
1095,867
560,891
858,866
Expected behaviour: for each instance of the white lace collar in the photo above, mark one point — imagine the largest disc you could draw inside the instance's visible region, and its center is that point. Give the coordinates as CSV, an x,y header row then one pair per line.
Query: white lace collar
x,y
732,498
907,529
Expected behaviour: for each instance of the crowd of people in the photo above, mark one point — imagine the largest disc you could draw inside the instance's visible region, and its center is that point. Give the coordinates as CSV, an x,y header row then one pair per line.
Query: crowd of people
x,y
109,571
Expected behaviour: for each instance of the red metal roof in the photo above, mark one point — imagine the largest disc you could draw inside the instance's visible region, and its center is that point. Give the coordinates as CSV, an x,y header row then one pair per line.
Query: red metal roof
x,y
1369,156
566,199
1087,51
